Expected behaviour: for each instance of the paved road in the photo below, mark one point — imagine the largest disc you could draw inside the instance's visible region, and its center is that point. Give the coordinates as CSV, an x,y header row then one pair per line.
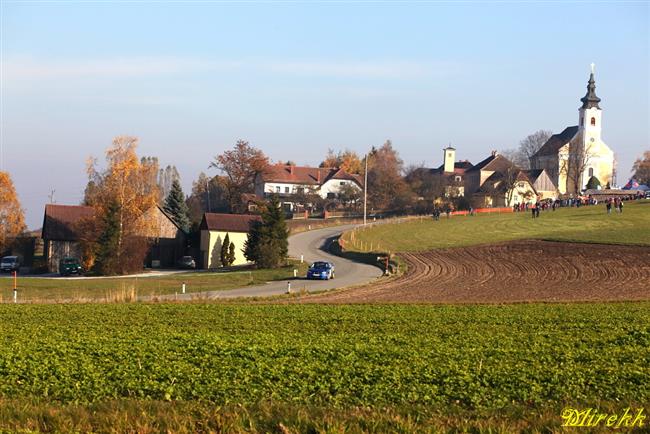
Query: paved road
x,y
313,246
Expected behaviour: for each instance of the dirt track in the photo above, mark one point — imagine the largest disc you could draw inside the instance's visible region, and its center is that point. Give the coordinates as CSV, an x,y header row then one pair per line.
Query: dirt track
x,y
521,271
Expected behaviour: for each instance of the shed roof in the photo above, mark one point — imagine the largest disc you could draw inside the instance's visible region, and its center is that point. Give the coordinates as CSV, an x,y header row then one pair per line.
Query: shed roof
x,y
228,222
60,221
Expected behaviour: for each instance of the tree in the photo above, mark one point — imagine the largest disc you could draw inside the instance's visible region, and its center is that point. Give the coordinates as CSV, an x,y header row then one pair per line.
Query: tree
x,y
176,207
347,160
641,169
425,184
126,187
231,254
240,165
573,163
166,178
225,252
12,220
529,147
593,183
386,187
208,195
267,244
350,195
108,242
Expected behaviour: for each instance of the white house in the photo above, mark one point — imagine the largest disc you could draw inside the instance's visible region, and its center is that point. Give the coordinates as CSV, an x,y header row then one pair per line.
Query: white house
x,y
286,181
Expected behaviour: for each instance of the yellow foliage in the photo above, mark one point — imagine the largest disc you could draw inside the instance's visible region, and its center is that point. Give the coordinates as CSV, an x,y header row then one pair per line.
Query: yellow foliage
x,y
12,221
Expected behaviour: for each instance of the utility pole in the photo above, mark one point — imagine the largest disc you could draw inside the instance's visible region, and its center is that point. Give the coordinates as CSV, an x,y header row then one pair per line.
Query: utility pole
x,y
51,196
365,192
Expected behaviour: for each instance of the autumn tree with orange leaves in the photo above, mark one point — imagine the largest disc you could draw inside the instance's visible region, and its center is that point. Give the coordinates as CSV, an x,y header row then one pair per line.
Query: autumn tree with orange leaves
x,y
240,166
123,195
12,221
347,160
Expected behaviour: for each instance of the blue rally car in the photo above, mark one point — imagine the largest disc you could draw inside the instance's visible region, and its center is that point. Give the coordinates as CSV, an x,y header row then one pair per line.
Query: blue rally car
x,y
321,270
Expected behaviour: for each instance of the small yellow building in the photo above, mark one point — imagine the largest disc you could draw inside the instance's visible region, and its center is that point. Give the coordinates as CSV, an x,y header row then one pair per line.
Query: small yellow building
x,y
214,228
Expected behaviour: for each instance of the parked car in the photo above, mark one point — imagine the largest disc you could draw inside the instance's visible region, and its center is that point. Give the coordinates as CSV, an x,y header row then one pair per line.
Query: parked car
x,y
68,266
9,264
321,270
186,262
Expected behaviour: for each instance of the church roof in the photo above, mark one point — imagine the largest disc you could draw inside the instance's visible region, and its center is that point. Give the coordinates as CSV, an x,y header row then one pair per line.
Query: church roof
x,y
556,141
590,100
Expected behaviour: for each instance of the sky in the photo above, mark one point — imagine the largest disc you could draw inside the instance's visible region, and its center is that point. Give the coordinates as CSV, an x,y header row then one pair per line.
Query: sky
x,y
297,78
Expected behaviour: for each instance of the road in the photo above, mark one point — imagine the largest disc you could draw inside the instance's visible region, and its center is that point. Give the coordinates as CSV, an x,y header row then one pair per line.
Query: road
x,y
313,246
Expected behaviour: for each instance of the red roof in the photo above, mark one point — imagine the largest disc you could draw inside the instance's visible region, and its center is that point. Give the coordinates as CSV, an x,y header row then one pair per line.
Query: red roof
x,y
228,222
306,175
59,222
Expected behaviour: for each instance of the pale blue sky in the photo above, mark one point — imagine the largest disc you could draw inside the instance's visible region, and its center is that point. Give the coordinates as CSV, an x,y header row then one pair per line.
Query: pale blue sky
x,y
296,78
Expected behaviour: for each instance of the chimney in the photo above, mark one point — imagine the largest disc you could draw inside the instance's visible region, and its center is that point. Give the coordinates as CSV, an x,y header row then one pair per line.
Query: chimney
x,y
291,169
318,175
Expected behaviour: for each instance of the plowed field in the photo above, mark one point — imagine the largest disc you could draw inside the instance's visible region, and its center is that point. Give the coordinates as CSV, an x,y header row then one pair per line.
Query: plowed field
x,y
521,271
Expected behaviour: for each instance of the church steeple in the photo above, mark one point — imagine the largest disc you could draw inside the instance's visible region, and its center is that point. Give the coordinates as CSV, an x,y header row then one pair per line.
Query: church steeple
x,y
590,100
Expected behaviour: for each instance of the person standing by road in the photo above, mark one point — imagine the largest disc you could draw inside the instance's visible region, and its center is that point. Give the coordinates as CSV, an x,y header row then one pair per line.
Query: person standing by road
x,y
608,205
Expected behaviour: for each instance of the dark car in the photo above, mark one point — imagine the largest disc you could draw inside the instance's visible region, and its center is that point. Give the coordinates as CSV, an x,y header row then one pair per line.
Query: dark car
x,y
69,266
9,264
321,270
186,262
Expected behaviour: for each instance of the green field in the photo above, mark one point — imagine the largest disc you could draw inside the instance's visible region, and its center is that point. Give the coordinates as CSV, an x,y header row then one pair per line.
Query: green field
x,y
586,224
365,368
35,289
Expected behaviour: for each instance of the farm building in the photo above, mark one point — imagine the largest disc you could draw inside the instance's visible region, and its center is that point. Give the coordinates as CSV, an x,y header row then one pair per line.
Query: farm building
x,y
62,233
542,183
214,228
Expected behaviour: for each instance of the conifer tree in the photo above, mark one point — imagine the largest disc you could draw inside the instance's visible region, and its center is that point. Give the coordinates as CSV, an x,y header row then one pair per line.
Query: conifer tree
x,y
231,253
176,207
267,244
225,257
108,242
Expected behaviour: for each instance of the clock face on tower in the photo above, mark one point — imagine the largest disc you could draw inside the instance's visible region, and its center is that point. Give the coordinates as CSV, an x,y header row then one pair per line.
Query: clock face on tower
x,y
592,140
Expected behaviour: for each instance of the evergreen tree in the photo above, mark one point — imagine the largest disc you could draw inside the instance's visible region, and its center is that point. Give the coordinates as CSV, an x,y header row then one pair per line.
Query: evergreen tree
x,y
231,253
267,244
176,207
225,257
593,183
108,242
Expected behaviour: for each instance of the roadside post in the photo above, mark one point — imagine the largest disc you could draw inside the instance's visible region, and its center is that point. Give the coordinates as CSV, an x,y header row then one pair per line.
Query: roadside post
x,y
295,273
15,287
183,287
288,287
301,259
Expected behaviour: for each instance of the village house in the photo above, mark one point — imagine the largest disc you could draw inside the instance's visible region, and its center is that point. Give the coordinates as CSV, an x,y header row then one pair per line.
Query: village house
x,y
287,181
497,182
450,174
573,156
61,235
214,228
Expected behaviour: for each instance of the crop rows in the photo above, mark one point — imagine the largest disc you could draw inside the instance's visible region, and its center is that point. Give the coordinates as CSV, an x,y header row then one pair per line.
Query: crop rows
x,y
473,356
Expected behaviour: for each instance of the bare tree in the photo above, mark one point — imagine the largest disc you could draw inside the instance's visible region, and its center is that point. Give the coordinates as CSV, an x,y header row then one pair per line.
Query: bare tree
x,y
530,145
574,163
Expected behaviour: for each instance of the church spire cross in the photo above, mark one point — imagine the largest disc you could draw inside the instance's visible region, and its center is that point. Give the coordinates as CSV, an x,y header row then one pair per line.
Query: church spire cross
x,y
590,100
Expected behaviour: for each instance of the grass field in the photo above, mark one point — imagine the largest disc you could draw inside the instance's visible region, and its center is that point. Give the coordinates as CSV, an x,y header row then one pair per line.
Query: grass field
x,y
394,368
586,224
35,289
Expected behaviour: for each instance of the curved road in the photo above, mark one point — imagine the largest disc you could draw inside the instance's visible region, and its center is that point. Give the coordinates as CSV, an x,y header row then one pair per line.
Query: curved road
x,y
313,245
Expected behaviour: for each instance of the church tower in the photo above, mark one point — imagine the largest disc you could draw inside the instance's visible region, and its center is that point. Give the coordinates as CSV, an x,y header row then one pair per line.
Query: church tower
x,y
450,157
590,115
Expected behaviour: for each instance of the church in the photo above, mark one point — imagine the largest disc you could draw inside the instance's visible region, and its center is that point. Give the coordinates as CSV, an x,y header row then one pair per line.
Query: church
x,y
574,156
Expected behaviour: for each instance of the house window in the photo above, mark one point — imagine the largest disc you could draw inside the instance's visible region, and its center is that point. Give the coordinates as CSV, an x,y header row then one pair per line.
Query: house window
x,y
286,189
342,183
582,121
277,189
458,179
593,122
301,190
331,195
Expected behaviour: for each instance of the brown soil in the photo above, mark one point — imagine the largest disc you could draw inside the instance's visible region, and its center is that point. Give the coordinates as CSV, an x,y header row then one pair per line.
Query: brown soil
x,y
522,271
